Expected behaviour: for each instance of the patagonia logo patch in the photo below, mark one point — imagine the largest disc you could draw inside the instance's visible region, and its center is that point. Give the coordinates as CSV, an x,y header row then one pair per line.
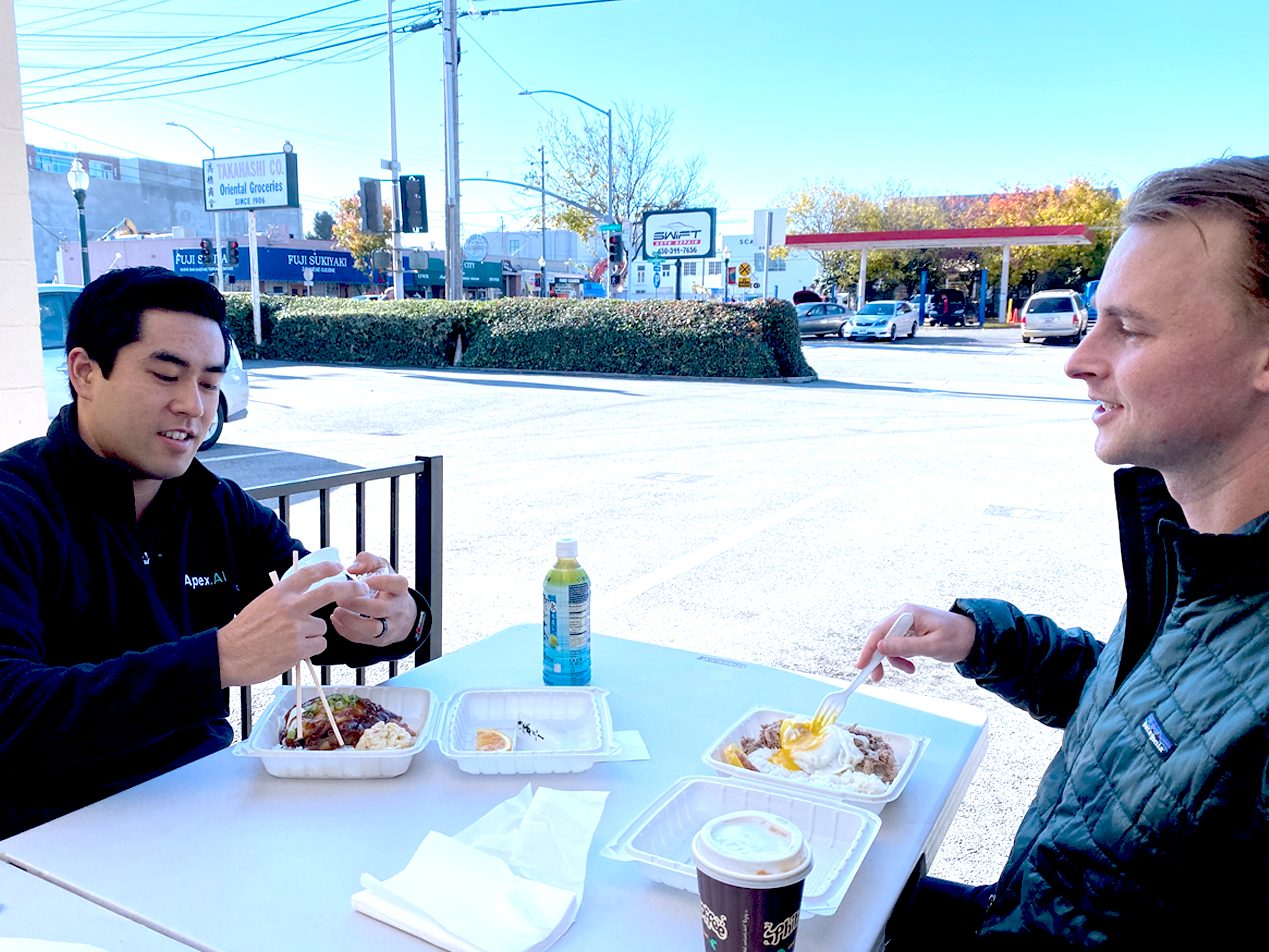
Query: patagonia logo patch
x,y
1158,737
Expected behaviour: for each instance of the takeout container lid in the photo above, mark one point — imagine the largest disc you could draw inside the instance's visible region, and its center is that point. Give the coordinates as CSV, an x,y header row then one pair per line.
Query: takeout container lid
x,y
415,705
908,749
659,840
554,729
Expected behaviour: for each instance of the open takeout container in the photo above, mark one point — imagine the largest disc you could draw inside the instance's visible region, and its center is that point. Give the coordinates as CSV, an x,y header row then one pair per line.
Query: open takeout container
x,y
415,705
553,730
907,751
659,840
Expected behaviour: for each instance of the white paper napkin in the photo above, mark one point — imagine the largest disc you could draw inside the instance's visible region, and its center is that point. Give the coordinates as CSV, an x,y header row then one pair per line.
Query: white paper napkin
x,y
510,882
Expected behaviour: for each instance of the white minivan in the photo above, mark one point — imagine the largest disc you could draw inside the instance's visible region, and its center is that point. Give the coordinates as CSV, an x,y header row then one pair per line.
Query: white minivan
x,y
55,305
1054,314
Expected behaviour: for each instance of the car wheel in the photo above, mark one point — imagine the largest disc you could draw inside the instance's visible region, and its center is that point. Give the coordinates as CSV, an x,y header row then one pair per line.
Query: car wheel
x,y
894,332
217,428
1026,339
841,331
912,330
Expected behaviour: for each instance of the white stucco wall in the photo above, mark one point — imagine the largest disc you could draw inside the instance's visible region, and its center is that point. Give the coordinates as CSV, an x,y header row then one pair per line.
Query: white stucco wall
x,y
22,406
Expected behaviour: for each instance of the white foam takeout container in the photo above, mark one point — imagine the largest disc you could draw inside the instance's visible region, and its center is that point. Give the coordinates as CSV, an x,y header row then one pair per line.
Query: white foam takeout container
x,y
415,705
553,730
659,840
907,750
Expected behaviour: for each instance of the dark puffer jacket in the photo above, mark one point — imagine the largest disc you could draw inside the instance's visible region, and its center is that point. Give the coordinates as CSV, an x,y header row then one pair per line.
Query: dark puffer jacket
x,y
1150,823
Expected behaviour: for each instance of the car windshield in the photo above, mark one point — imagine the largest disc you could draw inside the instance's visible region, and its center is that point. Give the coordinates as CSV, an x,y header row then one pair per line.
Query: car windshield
x,y
1054,305
885,309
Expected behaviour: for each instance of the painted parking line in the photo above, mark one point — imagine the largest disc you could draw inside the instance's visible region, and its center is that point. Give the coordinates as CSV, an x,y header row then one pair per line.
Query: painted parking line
x,y
692,560
222,459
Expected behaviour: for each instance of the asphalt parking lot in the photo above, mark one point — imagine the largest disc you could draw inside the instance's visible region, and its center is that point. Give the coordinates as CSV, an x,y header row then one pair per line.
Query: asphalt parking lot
x,y
771,522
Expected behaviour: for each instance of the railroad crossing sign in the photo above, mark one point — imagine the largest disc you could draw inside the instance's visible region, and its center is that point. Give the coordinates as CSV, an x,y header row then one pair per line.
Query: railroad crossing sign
x,y
744,269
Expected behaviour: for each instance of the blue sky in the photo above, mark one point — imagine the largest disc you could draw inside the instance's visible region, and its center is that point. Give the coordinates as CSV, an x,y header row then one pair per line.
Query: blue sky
x,y
935,97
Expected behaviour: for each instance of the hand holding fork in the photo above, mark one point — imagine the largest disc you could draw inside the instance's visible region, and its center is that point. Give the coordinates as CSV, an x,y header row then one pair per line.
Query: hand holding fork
x,y
831,707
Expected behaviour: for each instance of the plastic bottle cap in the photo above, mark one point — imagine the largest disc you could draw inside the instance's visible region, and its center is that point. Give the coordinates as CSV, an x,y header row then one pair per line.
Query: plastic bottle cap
x,y
566,549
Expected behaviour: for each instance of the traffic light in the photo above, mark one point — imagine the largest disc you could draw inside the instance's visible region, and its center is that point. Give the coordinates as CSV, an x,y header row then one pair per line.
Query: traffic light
x,y
371,207
231,253
206,255
414,204
614,250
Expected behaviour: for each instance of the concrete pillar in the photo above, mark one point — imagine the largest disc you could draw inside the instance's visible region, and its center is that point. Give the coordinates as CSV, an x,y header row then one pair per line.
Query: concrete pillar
x,y
1004,285
863,278
21,365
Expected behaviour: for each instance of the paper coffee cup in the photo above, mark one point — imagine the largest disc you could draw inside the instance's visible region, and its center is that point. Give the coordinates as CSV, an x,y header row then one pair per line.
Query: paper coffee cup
x,y
750,870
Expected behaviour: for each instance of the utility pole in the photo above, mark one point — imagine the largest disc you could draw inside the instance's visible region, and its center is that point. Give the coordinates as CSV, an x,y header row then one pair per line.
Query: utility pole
x,y
398,289
542,181
453,250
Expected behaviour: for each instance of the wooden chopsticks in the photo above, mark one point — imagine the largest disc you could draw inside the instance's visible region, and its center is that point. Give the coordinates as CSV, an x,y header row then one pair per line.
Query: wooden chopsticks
x,y
317,683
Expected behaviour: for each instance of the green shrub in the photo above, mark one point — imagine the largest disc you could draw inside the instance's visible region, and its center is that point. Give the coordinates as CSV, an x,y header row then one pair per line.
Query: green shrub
x,y
242,325
669,338
665,338
411,333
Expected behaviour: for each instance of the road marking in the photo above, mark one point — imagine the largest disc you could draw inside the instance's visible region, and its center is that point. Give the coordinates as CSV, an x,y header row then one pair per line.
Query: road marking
x,y
222,459
702,555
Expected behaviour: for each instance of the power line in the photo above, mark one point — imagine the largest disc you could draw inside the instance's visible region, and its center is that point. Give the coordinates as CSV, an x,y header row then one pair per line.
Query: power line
x,y
209,39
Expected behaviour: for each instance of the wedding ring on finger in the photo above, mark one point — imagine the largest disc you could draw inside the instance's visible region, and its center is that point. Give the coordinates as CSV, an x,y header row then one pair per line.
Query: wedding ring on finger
x,y
383,630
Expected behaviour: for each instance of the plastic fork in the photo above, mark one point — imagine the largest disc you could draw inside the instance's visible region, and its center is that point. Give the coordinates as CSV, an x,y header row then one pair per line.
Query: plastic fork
x,y
831,707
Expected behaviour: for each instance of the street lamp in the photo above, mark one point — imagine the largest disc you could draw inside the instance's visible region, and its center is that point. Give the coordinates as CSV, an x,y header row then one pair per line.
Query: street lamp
x,y
608,113
77,179
220,258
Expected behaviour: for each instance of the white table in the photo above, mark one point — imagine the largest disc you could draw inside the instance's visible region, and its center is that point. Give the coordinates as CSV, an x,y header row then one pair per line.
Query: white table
x,y
31,908
237,859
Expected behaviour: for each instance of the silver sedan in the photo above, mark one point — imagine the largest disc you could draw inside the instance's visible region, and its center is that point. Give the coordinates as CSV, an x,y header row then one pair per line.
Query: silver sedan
x,y
821,317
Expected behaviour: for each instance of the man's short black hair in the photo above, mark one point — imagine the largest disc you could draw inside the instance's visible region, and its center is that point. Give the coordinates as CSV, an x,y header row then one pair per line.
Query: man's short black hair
x,y
107,314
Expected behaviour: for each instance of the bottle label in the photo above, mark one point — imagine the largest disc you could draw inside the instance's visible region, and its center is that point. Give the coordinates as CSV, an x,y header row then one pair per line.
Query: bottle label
x,y
566,633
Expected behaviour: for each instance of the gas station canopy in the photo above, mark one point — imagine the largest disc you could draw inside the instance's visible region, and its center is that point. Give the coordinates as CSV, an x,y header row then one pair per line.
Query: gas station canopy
x,y
1003,238
945,238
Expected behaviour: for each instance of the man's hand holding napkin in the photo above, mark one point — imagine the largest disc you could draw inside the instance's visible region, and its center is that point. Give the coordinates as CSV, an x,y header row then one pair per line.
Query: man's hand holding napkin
x,y
510,882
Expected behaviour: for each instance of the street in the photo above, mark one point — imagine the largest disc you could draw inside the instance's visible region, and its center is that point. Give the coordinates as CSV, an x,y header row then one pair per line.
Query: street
x,y
770,522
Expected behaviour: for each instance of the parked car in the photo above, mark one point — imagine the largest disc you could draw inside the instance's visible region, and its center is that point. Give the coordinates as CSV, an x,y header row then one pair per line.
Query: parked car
x,y
55,305
948,309
1054,314
916,301
824,318
883,320
1090,301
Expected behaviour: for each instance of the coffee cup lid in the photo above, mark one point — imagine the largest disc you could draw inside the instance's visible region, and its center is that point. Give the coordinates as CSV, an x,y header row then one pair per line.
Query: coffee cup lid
x,y
752,848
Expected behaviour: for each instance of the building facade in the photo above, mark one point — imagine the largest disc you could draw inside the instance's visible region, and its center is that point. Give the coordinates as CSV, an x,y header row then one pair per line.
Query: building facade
x,y
126,195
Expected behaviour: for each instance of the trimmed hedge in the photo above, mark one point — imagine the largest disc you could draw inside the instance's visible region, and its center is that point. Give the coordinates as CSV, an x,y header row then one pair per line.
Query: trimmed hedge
x,y
667,338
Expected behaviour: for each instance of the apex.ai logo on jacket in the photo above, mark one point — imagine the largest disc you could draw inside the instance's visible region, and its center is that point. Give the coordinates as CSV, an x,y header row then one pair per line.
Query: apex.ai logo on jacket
x,y
195,582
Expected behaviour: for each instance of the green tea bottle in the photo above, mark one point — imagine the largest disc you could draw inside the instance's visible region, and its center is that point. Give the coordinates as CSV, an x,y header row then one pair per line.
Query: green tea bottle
x,y
566,619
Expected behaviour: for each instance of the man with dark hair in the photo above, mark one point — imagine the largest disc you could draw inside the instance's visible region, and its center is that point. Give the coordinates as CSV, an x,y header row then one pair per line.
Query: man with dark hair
x,y
1151,825
135,584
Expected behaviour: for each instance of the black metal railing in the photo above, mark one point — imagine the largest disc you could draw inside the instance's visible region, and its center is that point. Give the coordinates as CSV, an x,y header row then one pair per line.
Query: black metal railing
x,y
425,546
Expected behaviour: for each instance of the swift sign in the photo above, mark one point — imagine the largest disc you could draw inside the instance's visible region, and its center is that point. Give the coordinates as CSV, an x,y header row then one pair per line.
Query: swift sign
x,y
247,182
680,233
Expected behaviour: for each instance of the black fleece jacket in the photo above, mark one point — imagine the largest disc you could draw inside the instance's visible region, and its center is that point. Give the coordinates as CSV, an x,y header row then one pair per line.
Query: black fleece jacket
x,y
109,670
